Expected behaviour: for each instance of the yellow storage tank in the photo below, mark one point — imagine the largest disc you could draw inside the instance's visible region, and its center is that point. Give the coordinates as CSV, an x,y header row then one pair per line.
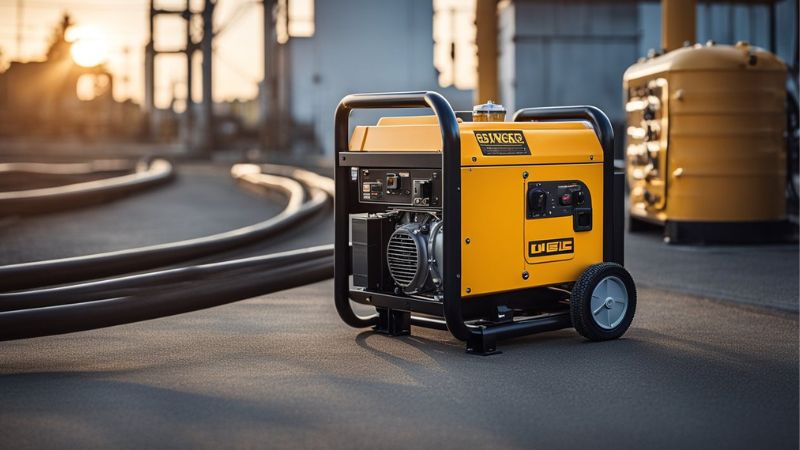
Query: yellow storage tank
x,y
706,148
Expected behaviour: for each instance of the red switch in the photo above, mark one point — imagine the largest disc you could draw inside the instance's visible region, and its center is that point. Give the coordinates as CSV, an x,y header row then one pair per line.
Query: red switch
x,y
566,199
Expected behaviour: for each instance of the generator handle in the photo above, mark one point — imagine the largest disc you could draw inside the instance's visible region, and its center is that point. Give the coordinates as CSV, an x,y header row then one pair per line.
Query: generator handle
x,y
592,114
613,183
451,205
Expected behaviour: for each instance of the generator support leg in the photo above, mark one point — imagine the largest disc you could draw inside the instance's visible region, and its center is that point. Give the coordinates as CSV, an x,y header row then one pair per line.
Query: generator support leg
x,y
482,344
393,323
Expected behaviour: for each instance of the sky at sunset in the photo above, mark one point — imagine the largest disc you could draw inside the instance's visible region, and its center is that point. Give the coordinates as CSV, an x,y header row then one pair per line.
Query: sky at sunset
x,y
120,28
122,24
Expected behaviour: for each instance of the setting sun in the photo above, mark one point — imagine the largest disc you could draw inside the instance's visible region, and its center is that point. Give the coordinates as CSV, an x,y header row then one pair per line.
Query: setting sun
x,y
88,46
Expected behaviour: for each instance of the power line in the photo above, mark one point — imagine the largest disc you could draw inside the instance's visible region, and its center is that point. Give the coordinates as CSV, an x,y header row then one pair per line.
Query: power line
x,y
237,14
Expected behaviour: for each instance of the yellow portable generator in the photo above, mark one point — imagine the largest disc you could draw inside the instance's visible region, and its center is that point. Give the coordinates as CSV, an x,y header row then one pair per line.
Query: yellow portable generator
x,y
486,228
706,153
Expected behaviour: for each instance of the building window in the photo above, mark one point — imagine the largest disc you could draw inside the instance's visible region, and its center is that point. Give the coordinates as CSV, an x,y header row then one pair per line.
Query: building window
x,y
299,22
454,52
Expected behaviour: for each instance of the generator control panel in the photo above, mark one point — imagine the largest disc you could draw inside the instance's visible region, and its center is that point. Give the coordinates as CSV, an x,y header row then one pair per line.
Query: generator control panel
x,y
560,198
406,187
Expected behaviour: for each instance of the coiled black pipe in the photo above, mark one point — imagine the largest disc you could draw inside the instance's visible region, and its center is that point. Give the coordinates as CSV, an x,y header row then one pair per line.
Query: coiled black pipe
x,y
20,176
61,319
51,272
133,284
151,295
148,173
69,169
306,177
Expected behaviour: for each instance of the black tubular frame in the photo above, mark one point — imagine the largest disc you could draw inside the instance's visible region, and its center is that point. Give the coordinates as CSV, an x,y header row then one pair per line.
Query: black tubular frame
x,y
613,183
480,339
451,204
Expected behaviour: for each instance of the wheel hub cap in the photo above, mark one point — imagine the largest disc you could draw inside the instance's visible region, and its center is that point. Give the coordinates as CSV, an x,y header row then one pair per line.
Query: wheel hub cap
x,y
609,302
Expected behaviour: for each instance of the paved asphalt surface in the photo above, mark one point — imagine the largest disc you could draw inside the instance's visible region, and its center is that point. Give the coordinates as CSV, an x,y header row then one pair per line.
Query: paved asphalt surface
x,y
761,275
696,370
203,200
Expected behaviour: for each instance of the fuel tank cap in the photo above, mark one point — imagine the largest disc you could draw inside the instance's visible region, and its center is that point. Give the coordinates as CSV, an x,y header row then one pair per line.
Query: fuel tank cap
x,y
488,112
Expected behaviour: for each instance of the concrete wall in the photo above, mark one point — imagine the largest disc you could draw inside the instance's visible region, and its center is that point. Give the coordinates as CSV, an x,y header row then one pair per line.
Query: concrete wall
x,y
363,46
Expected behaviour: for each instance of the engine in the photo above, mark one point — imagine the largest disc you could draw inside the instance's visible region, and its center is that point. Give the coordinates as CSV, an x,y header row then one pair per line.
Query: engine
x,y
414,253
398,252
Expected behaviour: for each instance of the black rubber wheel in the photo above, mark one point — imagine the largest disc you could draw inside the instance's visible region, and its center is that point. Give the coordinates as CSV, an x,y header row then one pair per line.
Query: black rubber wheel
x,y
603,302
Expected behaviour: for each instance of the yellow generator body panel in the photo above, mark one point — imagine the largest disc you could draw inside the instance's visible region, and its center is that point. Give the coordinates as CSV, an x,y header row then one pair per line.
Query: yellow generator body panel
x,y
496,235
487,228
706,152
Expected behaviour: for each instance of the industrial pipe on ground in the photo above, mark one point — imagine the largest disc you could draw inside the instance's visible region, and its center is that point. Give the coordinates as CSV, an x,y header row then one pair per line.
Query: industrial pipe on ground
x,y
80,268
147,174
151,295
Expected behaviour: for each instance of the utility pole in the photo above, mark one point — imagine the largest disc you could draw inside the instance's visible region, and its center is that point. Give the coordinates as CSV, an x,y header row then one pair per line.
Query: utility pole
x,y
208,100
486,38
20,16
267,100
149,73
275,102
281,83
678,23
189,50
